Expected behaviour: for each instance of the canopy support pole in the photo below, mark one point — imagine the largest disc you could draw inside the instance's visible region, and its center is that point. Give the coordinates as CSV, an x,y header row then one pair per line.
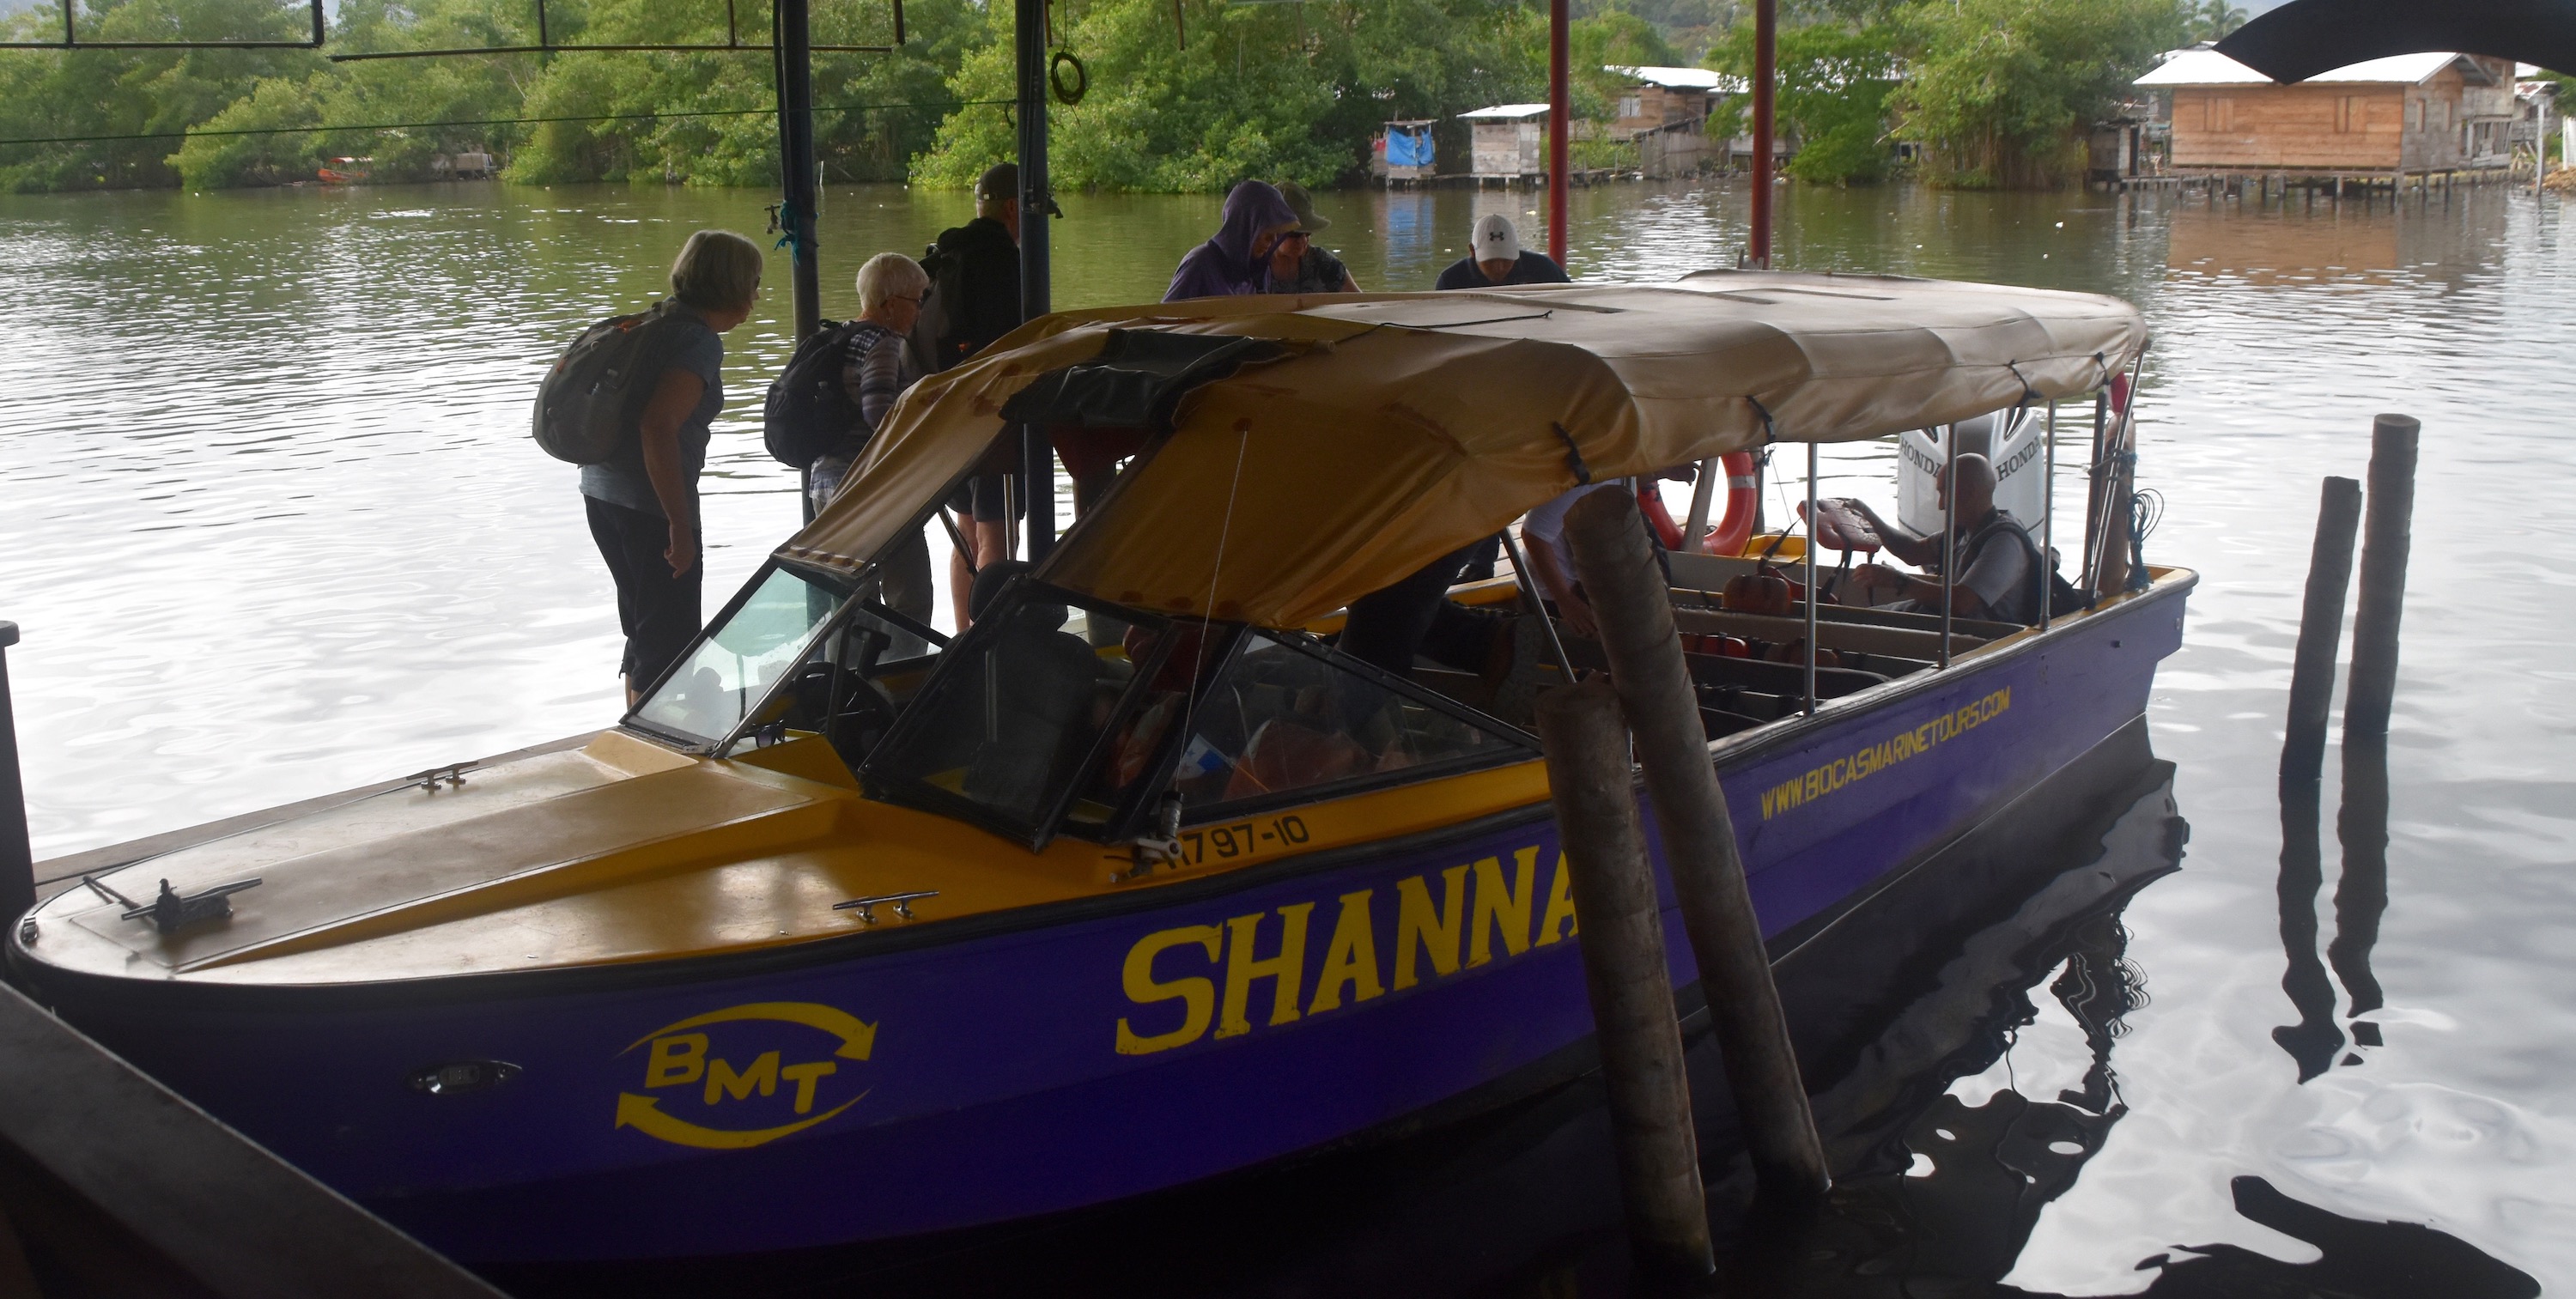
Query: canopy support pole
x,y
1766,67
1560,119
1537,604
798,184
2048,517
1812,595
1037,457
1703,493
1949,531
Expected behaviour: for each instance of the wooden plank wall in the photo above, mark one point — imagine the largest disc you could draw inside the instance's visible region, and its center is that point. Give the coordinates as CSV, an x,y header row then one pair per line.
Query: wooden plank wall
x,y
2329,127
2309,127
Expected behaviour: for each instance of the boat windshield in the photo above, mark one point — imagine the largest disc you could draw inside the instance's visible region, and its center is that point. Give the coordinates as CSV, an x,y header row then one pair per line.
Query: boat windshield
x,y
723,679
1030,730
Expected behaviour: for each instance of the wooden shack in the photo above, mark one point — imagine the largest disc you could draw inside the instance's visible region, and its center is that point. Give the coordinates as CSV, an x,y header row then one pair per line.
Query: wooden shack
x,y
1665,111
2411,114
1509,142
1403,152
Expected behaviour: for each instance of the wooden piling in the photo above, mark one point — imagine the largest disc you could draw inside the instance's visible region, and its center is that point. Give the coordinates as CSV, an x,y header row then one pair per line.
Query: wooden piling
x,y
1624,971
2320,629
2384,545
1635,613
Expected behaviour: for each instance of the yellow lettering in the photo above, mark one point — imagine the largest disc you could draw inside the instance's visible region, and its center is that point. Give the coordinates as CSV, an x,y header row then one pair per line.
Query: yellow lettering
x,y
1286,971
676,1060
1435,931
805,1076
1351,958
1197,996
1497,905
1560,906
763,1074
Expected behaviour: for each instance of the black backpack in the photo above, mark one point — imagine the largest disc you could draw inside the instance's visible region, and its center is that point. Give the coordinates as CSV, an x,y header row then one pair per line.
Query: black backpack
x,y
956,320
808,411
588,404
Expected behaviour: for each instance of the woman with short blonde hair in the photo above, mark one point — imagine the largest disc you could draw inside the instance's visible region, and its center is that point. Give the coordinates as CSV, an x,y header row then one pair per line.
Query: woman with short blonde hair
x,y
888,276
643,499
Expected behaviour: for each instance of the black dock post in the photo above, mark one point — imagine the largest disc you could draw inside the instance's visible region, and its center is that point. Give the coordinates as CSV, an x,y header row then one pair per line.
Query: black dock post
x,y
1037,293
1635,612
2385,542
1624,973
17,854
2320,629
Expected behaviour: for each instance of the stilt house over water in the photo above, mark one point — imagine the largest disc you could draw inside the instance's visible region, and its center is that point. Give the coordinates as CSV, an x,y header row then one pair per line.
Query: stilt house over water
x,y
1509,143
1665,111
2410,114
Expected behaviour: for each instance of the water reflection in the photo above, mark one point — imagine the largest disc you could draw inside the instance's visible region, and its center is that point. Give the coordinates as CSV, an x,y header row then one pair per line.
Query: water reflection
x,y
270,519
2314,1040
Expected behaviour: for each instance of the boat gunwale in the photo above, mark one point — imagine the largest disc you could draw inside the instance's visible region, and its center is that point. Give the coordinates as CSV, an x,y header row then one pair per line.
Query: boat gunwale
x,y
574,980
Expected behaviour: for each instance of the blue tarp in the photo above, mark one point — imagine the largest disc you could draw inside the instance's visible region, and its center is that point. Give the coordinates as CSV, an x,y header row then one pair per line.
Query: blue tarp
x,y
1408,146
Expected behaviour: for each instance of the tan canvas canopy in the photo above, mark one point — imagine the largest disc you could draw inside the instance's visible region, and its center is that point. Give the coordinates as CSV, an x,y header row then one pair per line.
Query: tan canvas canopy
x,y
1398,427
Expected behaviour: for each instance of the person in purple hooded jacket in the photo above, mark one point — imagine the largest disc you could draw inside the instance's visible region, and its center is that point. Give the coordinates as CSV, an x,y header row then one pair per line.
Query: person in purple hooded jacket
x,y
1237,259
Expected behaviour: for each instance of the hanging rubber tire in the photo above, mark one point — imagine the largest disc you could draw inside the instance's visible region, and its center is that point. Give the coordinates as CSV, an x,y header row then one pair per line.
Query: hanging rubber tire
x,y
1055,78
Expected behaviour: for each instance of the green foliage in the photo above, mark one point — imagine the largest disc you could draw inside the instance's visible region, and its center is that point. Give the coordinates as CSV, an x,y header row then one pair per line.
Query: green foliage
x,y
1280,92
1834,83
2001,90
45,94
2210,20
121,92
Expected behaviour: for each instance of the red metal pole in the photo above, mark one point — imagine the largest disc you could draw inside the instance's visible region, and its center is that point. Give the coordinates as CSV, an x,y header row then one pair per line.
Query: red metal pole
x,y
1560,119
1766,66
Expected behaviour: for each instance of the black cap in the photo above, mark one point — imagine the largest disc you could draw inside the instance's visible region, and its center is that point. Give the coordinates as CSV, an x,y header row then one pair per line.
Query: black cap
x,y
999,181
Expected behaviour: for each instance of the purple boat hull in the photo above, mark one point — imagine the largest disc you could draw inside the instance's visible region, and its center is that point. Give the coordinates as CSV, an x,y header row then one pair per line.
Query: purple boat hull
x,y
975,1072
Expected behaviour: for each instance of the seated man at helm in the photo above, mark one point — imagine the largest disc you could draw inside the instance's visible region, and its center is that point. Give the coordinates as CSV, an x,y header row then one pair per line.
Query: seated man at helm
x,y
2000,574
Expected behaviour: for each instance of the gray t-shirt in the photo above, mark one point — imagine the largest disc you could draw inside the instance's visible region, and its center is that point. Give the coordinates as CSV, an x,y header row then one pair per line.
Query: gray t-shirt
x,y
686,344
1999,573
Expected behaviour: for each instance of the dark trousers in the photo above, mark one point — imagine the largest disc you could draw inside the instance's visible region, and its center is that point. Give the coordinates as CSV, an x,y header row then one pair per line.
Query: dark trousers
x,y
1389,627
658,612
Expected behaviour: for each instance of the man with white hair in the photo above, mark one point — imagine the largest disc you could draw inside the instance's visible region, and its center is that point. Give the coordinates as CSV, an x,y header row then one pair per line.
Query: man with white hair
x,y
875,369
2001,575
1495,258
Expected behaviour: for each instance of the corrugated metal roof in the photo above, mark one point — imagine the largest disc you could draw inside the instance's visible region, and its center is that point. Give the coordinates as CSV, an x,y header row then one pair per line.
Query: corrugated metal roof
x,y
1508,112
1679,78
2211,68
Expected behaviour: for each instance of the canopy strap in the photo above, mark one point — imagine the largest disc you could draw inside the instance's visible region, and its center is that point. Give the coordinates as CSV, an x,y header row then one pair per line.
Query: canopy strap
x,y
1573,457
1769,433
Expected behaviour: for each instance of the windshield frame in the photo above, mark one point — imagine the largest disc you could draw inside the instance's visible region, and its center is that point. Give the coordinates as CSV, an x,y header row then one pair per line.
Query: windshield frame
x,y
1037,831
1360,782
841,588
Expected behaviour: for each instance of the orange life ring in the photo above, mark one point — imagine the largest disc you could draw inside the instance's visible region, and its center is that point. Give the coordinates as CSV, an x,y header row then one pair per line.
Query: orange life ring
x,y
1743,491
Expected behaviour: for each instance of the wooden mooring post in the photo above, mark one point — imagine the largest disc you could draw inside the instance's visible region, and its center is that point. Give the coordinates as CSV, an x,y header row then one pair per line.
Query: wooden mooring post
x,y
2320,629
1635,613
1624,971
2386,539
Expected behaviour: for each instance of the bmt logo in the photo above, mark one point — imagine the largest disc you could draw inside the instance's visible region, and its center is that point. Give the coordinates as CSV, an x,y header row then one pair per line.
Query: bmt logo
x,y
754,1065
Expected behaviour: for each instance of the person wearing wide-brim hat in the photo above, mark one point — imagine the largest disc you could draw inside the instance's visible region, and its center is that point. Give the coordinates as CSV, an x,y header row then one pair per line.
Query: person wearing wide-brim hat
x,y
1296,264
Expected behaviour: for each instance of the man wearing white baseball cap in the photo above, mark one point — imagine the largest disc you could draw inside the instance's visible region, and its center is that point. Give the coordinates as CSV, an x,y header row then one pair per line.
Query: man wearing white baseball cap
x,y
1494,258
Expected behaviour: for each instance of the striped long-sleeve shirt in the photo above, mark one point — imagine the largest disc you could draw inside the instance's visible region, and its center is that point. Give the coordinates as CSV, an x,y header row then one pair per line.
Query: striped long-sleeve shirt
x,y
875,370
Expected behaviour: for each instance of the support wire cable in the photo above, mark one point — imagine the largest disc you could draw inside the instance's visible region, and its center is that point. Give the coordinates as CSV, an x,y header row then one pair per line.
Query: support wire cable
x,y
191,133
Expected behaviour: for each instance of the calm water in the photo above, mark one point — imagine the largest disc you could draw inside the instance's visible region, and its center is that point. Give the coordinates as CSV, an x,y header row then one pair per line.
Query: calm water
x,y
271,522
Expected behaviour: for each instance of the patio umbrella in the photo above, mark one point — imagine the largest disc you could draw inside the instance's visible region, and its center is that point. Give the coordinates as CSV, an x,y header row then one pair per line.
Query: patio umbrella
x,y
2305,37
